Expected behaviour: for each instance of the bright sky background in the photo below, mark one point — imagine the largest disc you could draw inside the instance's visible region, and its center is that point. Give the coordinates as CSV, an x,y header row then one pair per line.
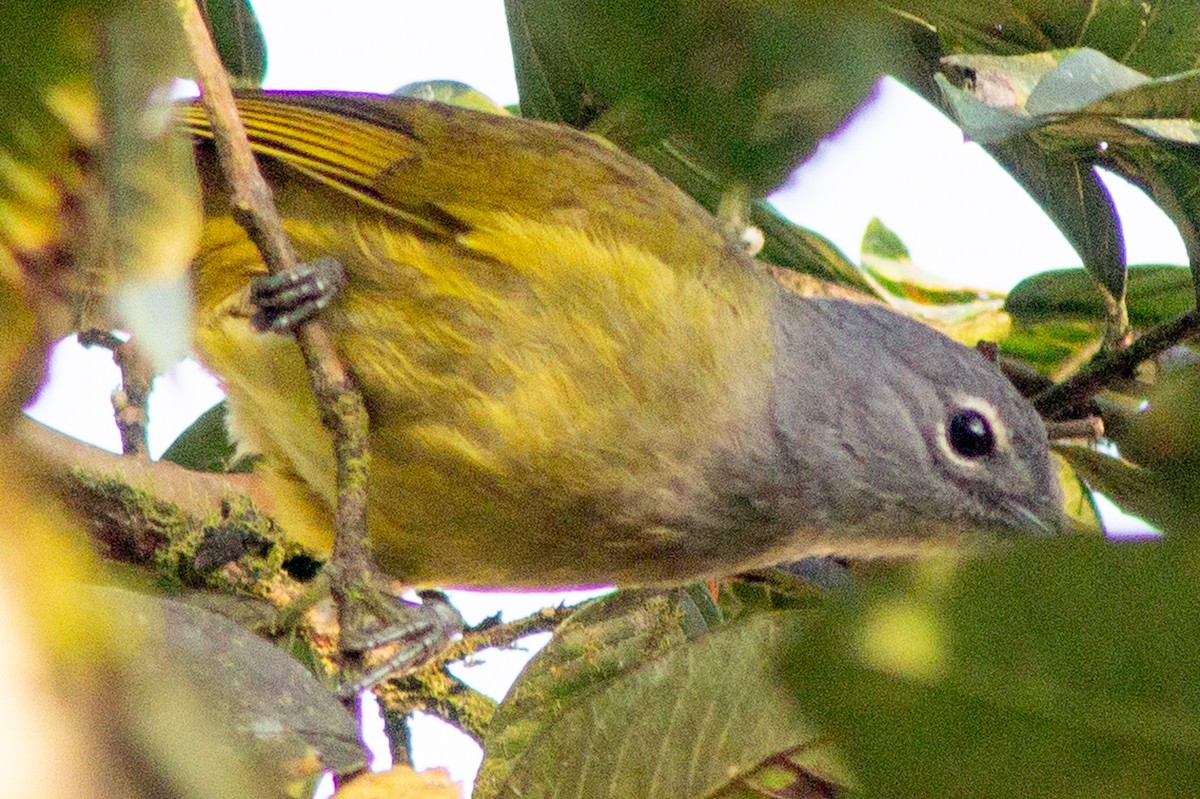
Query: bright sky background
x,y
899,159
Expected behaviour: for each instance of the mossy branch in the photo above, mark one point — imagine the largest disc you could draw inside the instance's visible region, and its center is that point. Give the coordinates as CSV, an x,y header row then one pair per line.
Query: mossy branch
x,y
432,689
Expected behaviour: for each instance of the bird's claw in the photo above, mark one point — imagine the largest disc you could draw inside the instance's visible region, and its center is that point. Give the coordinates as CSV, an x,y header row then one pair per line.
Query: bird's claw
x,y
284,301
418,631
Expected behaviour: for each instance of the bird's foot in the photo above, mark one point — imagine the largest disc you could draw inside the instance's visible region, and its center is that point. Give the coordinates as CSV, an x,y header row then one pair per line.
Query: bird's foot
x,y
287,300
400,635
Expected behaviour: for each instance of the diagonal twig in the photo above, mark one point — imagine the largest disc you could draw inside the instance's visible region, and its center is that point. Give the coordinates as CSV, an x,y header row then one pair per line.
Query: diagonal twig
x,y
1115,365
341,406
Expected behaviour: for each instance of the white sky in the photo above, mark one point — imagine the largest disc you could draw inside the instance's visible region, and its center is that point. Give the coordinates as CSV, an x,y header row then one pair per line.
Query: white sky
x,y
960,215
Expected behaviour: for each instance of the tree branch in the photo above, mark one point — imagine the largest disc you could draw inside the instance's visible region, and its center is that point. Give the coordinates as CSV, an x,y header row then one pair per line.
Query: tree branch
x,y
432,689
1115,365
341,406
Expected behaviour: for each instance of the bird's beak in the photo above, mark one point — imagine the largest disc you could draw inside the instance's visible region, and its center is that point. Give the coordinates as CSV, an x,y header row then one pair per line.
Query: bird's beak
x,y
1037,525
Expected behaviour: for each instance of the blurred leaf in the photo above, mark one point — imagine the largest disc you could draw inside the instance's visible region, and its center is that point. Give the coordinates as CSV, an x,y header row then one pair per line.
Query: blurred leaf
x,y
1078,503
1054,347
885,259
744,87
987,94
1089,109
44,69
1169,173
97,194
153,205
794,247
1166,431
401,781
1000,112
23,350
1064,668
1084,76
1155,294
788,586
273,701
43,44
206,446
239,40
1156,38
639,696
451,92
1077,201
1167,498
81,721
879,241
968,315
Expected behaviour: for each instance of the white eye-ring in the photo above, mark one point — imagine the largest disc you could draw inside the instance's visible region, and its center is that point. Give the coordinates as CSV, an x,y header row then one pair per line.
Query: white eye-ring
x,y
972,433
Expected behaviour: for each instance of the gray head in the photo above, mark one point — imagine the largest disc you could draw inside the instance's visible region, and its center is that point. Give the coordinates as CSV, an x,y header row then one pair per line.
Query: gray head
x,y
896,432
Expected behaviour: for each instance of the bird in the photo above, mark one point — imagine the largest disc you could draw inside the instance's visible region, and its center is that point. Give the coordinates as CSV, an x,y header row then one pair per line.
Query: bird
x,y
574,376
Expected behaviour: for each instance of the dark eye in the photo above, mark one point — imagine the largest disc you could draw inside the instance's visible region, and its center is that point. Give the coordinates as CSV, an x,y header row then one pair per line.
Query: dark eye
x,y
970,434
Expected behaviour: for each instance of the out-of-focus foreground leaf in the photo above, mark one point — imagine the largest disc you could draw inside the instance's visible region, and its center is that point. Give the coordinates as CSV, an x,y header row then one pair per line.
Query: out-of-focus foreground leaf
x,y
270,699
1162,431
648,694
1059,669
80,720
98,204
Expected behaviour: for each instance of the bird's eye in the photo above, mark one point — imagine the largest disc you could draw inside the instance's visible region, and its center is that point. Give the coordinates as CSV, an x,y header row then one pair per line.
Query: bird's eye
x,y
970,434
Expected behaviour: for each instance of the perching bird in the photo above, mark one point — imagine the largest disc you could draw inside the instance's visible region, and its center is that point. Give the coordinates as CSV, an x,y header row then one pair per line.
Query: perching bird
x,y
574,378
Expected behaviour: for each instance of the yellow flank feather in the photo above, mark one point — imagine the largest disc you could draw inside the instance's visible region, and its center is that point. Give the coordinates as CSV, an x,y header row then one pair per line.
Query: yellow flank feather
x,y
530,381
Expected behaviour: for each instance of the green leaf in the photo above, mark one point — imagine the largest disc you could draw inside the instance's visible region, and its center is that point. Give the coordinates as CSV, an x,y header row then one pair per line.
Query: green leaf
x,y
96,189
886,262
881,242
1008,99
1076,116
966,314
1163,433
745,88
239,40
1168,498
640,696
1155,294
1082,77
1055,347
451,92
1067,668
1077,201
206,447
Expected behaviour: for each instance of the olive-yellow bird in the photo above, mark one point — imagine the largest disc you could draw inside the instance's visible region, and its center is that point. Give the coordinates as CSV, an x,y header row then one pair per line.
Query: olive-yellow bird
x,y
573,377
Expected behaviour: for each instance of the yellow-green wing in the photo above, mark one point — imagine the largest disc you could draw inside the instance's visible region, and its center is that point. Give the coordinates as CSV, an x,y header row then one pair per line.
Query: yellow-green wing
x,y
440,167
